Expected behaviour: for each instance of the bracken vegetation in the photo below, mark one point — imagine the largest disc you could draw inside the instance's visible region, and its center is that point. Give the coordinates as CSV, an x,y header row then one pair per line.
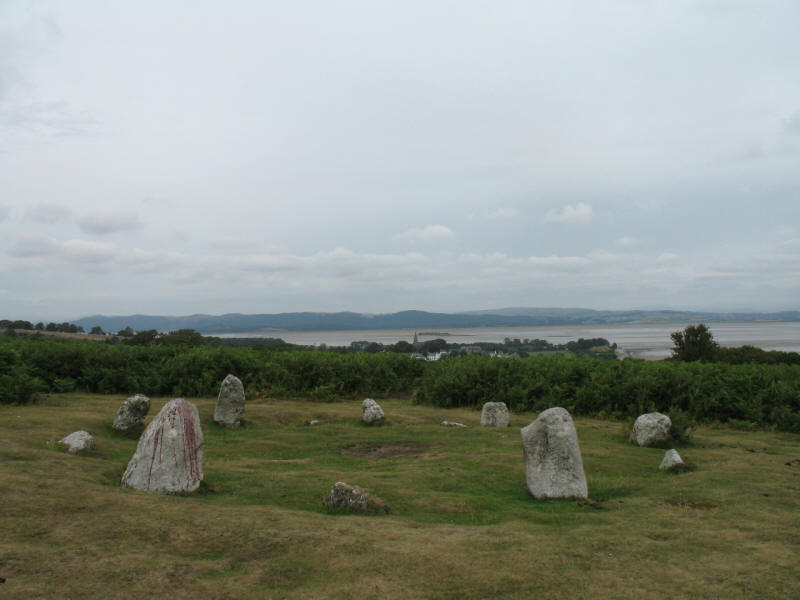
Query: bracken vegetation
x,y
750,393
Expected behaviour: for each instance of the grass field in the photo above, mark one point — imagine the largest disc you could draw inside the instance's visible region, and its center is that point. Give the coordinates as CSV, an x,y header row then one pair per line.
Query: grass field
x,y
462,524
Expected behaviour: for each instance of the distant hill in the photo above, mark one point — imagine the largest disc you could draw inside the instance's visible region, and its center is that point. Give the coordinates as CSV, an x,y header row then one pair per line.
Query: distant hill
x,y
415,319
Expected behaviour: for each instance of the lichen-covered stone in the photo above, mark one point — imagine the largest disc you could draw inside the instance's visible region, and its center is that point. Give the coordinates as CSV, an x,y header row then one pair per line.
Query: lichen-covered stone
x,y
78,441
230,402
132,412
494,414
169,457
671,459
371,412
650,428
354,499
553,463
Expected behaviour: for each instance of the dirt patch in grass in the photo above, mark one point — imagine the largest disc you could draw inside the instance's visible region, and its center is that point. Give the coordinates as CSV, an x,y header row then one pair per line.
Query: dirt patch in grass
x,y
691,503
384,450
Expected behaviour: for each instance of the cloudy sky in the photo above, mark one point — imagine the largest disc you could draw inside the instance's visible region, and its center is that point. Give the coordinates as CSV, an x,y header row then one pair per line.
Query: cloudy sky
x,y
265,156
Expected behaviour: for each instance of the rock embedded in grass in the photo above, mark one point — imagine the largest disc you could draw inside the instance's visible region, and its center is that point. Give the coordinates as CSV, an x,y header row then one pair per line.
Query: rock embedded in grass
x,y
169,457
494,414
78,441
371,412
671,459
553,463
132,412
650,428
452,424
230,402
354,499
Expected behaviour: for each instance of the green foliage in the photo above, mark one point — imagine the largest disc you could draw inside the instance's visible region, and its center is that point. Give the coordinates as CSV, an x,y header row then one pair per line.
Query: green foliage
x,y
694,343
682,425
696,391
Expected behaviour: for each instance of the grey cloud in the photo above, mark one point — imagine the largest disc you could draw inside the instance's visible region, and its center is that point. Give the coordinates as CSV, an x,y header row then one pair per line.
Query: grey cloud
x,y
105,223
55,118
48,214
791,125
33,245
4,212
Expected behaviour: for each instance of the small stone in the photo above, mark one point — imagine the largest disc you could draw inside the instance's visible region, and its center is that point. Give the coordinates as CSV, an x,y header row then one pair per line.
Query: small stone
x,y
452,424
494,414
169,456
313,422
553,463
650,428
78,441
132,412
354,499
371,412
230,402
671,459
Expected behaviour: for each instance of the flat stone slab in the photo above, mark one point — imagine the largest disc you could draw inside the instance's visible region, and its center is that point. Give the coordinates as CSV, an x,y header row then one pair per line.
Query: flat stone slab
x,y
451,424
169,456
78,441
354,499
553,463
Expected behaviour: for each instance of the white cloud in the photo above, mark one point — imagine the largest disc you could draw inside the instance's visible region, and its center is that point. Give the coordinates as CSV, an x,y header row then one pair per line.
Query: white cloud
x,y
105,223
580,213
627,242
430,234
667,257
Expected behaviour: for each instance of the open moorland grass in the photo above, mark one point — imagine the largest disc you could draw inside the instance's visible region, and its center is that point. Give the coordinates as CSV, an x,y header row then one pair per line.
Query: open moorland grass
x,y
462,524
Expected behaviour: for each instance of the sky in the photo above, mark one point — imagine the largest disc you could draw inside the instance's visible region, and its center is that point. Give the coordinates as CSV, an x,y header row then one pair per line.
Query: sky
x,y
260,157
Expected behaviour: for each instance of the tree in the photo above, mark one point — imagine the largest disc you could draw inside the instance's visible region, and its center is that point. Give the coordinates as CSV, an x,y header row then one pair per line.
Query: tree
x,y
97,330
694,343
127,332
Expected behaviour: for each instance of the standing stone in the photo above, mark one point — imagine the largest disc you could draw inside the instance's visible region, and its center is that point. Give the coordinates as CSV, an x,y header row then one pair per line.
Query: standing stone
x,y
650,429
354,499
371,412
494,414
169,457
132,413
671,459
230,402
78,441
553,464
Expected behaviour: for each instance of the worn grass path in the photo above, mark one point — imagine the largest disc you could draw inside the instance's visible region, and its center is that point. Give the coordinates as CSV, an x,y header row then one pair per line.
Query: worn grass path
x,y
462,523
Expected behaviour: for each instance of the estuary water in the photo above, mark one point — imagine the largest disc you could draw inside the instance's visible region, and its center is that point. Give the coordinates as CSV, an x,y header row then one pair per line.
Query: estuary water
x,y
639,340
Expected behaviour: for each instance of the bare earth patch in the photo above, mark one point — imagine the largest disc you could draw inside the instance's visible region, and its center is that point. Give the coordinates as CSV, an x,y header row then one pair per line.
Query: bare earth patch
x,y
384,450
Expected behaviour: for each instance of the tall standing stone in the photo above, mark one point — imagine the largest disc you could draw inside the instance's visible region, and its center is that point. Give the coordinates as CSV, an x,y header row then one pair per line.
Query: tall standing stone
x,y
230,402
650,429
169,457
132,412
494,414
553,464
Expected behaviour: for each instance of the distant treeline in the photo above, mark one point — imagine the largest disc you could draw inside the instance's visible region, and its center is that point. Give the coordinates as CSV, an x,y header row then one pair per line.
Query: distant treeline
x,y
5,324
762,394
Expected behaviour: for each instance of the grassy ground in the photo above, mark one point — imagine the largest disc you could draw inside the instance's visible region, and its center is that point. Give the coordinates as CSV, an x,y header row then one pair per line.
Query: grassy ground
x,y
462,524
